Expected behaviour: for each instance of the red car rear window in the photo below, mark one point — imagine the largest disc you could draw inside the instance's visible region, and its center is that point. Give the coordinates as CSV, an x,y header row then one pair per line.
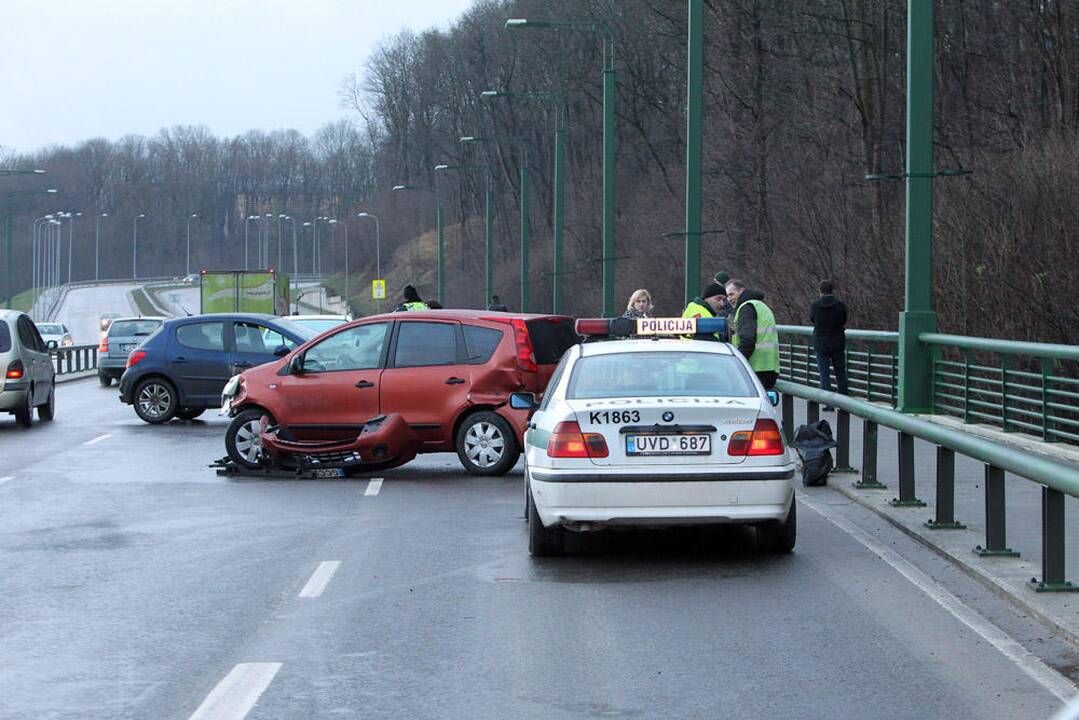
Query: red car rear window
x,y
551,337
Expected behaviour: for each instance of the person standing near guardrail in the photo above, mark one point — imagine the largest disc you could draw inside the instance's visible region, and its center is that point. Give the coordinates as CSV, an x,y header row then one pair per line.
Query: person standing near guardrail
x,y
705,305
639,305
754,331
829,317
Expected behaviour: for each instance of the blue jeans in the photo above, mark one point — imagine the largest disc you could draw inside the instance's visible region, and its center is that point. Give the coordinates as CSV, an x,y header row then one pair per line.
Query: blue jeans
x,y
835,359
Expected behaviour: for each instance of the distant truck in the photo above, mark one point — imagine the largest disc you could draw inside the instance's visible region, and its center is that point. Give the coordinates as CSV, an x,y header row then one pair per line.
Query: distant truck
x,y
257,291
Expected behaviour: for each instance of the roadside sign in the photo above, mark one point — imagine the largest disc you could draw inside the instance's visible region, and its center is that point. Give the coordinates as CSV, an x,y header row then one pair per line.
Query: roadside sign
x,y
378,289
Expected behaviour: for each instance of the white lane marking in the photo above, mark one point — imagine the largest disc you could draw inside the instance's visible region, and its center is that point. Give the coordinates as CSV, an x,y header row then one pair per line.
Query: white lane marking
x,y
1041,673
320,578
373,487
98,439
237,693
5,479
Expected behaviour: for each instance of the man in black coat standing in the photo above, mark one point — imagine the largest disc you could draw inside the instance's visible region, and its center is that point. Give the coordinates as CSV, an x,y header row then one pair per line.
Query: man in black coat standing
x,y
829,317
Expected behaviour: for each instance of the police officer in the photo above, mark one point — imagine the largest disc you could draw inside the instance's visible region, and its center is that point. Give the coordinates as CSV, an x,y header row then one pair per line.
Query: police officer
x,y
725,309
706,304
411,300
754,331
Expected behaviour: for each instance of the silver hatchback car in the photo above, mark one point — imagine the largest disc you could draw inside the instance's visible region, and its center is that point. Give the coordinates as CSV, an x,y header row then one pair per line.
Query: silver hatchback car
x,y
29,378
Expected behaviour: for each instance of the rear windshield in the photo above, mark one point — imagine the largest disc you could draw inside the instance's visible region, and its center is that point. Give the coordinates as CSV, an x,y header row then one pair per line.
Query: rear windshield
x,y
133,328
659,374
50,329
551,338
5,337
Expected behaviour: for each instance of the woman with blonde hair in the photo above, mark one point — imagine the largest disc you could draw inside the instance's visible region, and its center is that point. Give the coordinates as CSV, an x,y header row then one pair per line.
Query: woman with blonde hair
x,y
639,305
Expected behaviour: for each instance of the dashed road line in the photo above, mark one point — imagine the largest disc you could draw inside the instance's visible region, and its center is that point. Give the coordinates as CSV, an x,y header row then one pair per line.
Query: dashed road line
x,y
237,693
373,487
98,439
1048,678
320,578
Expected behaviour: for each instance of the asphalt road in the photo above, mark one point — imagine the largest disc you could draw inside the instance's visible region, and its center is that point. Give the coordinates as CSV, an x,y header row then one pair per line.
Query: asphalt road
x,y
83,307
138,584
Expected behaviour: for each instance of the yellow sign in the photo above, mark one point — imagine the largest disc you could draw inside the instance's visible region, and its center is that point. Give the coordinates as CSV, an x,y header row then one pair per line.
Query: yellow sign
x,y
666,326
378,289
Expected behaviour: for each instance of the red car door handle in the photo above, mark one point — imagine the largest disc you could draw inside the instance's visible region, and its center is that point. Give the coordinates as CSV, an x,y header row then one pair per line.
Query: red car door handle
x,y
454,381
364,384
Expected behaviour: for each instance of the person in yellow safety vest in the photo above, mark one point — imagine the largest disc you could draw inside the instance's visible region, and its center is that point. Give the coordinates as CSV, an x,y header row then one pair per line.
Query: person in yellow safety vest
x,y
706,304
411,300
754,331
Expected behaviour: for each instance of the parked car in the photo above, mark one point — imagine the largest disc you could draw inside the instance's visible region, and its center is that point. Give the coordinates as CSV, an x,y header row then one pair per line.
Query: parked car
x,y
182,367
123,335
448,373
29,379
320,323
55,332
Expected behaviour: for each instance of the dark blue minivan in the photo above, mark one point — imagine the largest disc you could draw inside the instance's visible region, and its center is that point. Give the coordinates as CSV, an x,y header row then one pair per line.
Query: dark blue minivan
x,y
181,369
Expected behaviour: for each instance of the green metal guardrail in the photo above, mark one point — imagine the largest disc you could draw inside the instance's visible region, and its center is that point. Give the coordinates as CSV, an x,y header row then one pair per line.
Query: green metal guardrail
x,y
1017,386
74,358
1056,478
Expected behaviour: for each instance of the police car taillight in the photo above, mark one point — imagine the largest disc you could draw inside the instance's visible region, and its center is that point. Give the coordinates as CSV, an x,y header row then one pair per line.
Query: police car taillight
x,y
567,441
764,439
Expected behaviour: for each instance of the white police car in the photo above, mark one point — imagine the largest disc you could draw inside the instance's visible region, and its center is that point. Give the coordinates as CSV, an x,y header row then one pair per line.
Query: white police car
x,y
656,432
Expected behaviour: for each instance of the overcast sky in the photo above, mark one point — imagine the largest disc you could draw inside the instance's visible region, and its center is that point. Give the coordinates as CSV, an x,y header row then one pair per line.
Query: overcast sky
x,y
71,70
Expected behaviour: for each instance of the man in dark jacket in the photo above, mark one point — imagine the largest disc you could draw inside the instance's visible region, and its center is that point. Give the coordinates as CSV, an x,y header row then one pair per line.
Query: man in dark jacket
x,y
829,318
497,305
410,300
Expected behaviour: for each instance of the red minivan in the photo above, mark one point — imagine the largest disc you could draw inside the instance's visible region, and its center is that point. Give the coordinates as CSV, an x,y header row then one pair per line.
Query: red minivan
x,y
448,373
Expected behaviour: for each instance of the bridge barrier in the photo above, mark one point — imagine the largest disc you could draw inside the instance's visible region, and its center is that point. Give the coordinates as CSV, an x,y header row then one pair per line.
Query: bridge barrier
x,y
1016,386
74,359
1056,478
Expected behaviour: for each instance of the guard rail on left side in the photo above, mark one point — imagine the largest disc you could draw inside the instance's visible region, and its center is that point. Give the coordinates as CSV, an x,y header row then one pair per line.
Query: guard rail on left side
x,y
74,359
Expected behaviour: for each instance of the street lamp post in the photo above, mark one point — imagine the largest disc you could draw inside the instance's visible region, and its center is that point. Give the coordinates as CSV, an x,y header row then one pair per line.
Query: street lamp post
x,y
37,262
71,239
189,219
9,231
279,219
694,125
608,141
559,183
344,223
378,253
525,275
489,214
441,231
135,246
97,244
247,265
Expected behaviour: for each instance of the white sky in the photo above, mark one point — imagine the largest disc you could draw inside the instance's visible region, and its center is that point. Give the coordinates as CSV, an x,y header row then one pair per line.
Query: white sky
x,y
71,70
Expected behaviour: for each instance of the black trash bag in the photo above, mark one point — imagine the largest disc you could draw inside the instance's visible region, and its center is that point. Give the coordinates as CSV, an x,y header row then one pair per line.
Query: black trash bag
x,y
814,443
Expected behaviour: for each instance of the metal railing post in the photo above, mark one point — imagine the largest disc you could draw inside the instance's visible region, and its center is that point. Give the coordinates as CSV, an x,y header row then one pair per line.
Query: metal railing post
x,y
1052,545
788,417
945,519
812,412
996,540
966,386
907,497
842,449
1047,424
1005,361
869,458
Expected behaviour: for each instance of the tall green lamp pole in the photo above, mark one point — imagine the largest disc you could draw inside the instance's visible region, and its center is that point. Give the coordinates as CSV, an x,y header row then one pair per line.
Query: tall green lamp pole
x,y
525,278
439,224
608,141
489,218
559,178
694,124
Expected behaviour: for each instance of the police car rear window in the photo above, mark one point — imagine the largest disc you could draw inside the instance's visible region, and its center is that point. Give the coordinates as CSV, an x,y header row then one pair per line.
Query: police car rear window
x,y
5,337
659,374
551,338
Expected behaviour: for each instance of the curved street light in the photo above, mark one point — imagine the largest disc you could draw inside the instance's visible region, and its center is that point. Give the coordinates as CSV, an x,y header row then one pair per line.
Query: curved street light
x,y
378,252
135,246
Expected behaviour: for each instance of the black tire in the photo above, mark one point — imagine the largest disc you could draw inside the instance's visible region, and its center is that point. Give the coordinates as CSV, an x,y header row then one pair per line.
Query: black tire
x,y
189,413
155,400
239,439
105,380
47,411
24,415
780,538
543,541
486,444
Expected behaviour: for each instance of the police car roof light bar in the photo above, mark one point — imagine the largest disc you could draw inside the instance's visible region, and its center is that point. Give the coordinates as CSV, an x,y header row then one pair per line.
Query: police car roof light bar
x,y
594,326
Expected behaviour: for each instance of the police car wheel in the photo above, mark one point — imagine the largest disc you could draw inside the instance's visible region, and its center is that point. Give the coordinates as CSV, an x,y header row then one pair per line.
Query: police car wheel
x,y
543,541
486,444
779,538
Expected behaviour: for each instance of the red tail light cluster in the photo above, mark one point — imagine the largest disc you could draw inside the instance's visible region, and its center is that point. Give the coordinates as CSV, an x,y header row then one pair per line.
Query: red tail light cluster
x,y
135,356
764,439
526,357
567,441
14,370
103,346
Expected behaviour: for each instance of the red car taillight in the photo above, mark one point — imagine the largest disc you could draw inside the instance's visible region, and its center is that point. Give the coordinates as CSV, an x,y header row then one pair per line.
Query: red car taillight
x,y
764,439
103,346
14,370
135,356
526,357
567,441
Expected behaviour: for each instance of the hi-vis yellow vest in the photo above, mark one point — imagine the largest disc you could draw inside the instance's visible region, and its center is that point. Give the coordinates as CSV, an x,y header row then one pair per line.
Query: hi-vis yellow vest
x,y
765,355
